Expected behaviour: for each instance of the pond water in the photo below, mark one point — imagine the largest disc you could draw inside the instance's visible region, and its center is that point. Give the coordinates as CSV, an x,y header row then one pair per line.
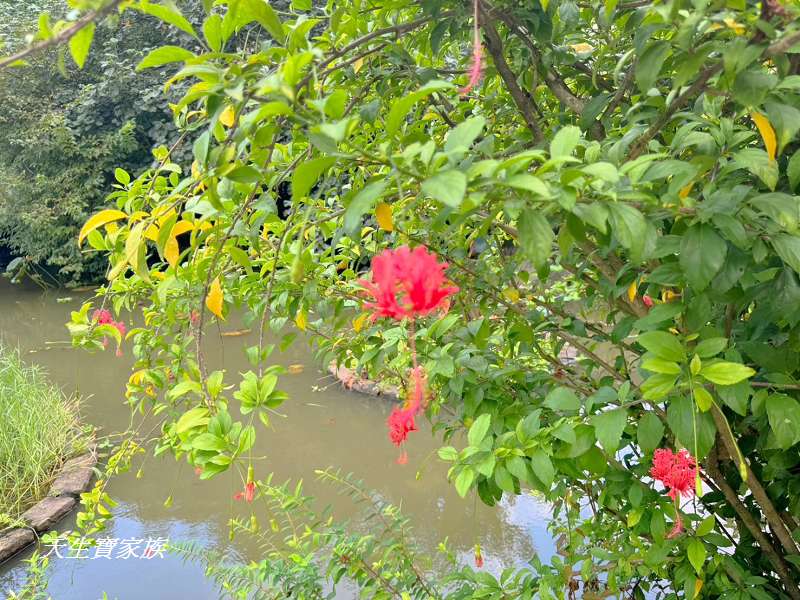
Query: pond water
x,y
324,427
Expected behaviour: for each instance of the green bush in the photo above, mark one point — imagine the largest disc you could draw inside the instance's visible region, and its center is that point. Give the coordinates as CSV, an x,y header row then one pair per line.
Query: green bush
x,y
39,429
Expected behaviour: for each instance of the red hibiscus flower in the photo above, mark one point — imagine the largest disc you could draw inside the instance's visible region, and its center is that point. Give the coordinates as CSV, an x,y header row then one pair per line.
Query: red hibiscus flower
x,y
401,423
677,471
407,283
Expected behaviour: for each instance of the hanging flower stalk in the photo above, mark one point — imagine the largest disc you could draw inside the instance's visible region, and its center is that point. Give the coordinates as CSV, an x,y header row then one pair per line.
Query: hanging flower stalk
x,y
476,67
678,473
407,284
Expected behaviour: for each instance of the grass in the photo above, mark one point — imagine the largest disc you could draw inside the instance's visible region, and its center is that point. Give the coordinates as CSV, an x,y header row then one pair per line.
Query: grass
x,y
39,429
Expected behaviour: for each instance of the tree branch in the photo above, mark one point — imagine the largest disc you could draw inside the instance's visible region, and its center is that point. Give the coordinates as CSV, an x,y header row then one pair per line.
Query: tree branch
x,y
62,36
712,466
521,99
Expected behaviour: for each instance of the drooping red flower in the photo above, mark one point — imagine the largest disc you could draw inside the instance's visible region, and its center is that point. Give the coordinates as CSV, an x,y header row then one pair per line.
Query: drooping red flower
x,y
248,494
677,529
401,423
648,301
476,67
407,283
677,471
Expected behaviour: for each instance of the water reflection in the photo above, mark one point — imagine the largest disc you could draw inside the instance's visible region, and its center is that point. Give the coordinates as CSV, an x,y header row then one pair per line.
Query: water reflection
x,y
321,429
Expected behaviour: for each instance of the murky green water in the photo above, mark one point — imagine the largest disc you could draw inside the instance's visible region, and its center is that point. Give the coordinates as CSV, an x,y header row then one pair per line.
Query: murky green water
x,y
323,428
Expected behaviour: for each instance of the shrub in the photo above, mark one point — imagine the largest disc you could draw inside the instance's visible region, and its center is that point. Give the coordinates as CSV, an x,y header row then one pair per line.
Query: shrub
x,y
615,200
39,429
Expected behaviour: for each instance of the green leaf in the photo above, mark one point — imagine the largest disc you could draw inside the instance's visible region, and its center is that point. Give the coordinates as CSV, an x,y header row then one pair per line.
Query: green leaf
x,y
758,162
168,14
479,429
657,386
448,453
362,204
696,551
464,481
80,43
706,526
447,187
529,183
307,174
629,227
788,248
659,365
503,480
684,422
783,413
563,399
536,237
664,345
212,31
195,417
464,134
608,427
261,11
402,106
565,141
649,432
726,373
245,174
208,441
542,466
793,171
711,347
649,64
702,398
702,255
164,55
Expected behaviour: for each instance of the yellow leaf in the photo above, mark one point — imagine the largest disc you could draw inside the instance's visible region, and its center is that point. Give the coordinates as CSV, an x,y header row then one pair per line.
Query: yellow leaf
x,y
195,170
767,133
737,27
383,212
228,117
581,47
686,190
138,216
301,320
511,294
151,233
214,300
112,228
295,369
182,227
358,322
102,218
171,250
358,64
698,585
632,291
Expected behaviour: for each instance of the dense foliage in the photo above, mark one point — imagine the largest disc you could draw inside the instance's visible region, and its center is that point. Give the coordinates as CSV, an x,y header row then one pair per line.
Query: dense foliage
x,y
64,132
615,199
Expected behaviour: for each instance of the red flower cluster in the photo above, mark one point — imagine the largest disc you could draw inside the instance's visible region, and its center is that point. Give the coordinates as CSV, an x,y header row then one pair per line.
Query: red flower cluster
x,y
677,471
104,317
407,283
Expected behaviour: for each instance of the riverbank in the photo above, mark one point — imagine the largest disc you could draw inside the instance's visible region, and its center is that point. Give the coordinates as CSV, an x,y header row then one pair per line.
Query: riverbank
x,y
40,438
